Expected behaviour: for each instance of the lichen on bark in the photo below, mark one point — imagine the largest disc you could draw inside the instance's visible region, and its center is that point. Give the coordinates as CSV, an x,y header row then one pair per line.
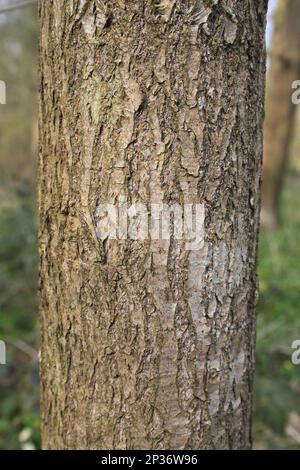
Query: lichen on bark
x,y
146,345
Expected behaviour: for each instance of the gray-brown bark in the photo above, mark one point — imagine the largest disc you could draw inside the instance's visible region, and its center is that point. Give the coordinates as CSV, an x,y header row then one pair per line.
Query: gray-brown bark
x,y
280,110
146,345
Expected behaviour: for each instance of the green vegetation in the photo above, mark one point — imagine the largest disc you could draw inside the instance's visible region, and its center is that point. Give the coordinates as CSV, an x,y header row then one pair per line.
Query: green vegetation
x,y
19,400
277,384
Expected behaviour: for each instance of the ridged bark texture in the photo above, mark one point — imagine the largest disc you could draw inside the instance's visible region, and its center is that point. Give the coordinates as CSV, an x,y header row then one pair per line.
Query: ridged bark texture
x,y
146,345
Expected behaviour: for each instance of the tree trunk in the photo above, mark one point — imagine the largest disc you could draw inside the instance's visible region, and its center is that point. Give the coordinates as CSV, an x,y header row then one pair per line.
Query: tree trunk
x,y
149,344
280,110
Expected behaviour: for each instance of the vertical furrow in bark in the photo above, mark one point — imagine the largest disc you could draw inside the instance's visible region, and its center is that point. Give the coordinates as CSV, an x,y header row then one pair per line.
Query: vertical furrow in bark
x,y
149,344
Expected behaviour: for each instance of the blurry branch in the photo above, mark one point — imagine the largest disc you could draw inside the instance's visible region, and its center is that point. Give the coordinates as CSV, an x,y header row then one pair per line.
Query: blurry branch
x,y
24,347
17,6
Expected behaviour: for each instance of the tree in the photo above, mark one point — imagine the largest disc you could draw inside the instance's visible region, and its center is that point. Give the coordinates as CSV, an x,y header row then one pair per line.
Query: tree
x,y
147,344
18,65
280,109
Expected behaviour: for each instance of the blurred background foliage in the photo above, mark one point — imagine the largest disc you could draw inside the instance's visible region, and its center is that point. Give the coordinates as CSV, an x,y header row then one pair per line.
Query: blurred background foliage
x,y
19,387
276,422
277,382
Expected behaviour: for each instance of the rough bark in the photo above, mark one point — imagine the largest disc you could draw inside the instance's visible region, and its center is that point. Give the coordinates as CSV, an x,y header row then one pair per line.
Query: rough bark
x,y
146,345
280,110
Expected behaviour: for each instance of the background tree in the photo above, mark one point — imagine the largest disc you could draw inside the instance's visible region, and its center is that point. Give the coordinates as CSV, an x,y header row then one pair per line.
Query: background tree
x,y
18,66
280,110
146,345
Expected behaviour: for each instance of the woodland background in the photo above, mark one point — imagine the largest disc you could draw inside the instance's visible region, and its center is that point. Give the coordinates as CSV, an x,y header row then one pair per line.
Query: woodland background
x,y
276,422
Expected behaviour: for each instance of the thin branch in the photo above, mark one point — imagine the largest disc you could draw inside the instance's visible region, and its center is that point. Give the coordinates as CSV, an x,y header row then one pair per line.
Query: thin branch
x,y
24,347
17,6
